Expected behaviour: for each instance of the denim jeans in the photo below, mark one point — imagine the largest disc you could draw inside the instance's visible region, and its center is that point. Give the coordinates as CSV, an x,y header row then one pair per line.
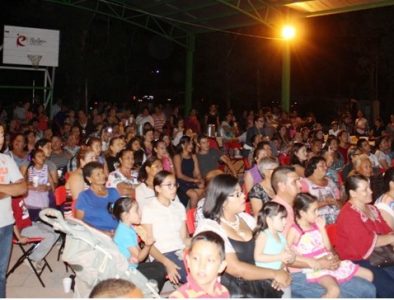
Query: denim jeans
x,y
354,288
5,252
173,256
383,278
49,239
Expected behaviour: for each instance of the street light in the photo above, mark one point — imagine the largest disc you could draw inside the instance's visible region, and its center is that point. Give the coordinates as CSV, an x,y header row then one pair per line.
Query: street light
x,y
288,33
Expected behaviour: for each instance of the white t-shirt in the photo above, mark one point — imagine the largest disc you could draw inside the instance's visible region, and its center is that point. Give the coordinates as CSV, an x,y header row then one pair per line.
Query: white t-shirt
x,y
144,195
166,222
380,155
116,177
9,173
211,225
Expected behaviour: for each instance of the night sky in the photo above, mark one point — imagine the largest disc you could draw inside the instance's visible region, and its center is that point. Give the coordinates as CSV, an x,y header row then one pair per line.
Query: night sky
x,y
336,57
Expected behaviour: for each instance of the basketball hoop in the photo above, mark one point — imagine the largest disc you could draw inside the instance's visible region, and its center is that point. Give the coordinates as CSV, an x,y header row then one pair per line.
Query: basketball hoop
x,y
35,60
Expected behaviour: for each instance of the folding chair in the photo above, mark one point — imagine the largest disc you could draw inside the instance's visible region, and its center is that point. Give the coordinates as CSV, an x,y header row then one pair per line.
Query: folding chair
x,y
60,195
32,243
190,220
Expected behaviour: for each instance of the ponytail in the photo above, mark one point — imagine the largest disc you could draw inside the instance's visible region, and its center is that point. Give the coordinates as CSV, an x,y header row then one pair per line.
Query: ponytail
x,y
270,209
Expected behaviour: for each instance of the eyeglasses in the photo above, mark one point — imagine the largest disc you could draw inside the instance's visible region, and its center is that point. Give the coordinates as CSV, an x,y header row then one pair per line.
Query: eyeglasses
x,y
170,185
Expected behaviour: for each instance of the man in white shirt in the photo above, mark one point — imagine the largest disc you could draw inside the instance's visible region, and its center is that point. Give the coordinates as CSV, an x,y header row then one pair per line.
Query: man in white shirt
x,y
12,184
365,148
334,128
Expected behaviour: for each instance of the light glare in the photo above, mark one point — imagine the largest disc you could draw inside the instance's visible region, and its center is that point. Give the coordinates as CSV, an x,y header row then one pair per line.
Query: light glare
x,y
288,32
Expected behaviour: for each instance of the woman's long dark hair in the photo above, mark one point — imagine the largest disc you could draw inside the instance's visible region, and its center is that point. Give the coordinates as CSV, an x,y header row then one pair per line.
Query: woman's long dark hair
x,y
269,209
184,139
217,193
294,160
33,154
142,174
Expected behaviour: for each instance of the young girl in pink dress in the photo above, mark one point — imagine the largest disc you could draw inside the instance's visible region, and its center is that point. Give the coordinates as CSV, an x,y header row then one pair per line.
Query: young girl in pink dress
x,y
309,239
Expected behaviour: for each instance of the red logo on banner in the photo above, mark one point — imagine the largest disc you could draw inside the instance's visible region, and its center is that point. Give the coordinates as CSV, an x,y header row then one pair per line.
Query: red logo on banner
x,y
20,41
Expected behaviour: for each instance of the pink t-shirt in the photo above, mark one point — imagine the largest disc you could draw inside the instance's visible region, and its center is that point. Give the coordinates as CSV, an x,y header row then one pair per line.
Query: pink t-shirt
x,y
290,214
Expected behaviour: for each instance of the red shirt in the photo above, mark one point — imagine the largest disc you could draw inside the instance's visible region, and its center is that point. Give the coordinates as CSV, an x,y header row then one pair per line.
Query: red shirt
x,y
343,151
357,234
192,290
21,214
290,214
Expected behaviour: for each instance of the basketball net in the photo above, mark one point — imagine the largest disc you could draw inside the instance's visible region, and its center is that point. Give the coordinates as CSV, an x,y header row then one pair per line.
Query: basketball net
x,y
35,60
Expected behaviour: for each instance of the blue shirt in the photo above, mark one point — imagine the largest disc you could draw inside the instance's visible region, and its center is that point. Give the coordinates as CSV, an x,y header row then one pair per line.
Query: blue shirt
x,y
95,209
272,247
126,237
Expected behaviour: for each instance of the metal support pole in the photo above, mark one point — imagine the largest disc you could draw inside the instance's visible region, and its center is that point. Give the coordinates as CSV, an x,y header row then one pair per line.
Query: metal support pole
x,y
50,99
191,39
286,77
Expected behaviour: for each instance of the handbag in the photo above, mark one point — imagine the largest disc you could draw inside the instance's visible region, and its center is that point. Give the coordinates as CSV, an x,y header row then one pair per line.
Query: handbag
x,y
382,256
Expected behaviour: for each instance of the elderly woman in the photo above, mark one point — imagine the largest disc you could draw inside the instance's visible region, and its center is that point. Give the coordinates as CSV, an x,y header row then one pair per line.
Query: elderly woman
x,y
385,203
362,165
383,146
223,208
92,204
360,229
123,178
17,150
164,219
262,192
318,184
253,175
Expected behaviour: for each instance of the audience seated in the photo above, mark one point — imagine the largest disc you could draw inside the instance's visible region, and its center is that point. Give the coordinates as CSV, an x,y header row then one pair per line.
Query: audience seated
x,y
109,153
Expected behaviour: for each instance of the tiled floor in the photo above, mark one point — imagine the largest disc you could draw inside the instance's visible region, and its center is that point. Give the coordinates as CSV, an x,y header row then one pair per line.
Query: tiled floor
x,y
24,284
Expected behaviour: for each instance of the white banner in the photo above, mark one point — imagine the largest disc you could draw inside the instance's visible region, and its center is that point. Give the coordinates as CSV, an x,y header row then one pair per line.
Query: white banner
x,y
20,43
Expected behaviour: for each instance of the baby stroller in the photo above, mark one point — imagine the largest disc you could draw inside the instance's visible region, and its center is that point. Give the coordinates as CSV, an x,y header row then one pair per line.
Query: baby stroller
x,y
93,256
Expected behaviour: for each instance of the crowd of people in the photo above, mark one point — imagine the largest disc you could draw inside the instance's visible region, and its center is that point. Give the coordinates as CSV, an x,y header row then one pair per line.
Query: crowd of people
x,y
263,187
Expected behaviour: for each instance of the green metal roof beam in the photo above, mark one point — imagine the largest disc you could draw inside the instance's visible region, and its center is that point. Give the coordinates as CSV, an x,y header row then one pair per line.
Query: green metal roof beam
x,y
201,5
169,35
161,3
143,13
228,26
247,12
351,8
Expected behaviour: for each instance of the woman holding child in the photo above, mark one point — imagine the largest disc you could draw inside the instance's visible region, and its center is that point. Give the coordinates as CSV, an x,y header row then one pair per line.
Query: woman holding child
x,y
223,208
